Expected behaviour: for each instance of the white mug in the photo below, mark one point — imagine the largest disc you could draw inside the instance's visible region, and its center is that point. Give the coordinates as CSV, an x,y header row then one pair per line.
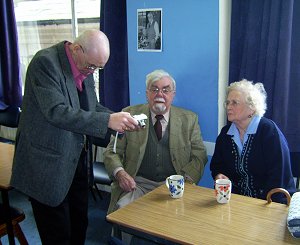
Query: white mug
x,y
175,184
223,190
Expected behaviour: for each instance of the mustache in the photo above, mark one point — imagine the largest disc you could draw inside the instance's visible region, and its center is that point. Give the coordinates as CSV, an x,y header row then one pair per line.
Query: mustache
x,y
159,100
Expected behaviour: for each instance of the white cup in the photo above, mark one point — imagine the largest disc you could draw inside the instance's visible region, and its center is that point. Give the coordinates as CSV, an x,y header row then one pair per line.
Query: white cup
x,y
223,190
175,184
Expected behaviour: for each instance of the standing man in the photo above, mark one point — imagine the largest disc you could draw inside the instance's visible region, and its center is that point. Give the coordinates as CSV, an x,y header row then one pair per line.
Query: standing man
x,y
152,31
60,112
144,159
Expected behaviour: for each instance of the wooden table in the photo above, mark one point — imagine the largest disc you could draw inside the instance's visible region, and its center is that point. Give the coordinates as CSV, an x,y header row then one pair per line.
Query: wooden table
x,y
197,218
6,159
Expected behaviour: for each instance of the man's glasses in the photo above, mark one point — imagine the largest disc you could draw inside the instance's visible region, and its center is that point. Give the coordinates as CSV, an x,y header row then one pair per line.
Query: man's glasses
x,y
91,66
157,90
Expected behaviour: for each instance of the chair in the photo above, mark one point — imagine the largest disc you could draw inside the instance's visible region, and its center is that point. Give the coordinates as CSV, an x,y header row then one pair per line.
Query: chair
x,y
17,215
278,190
9,117
295,160
100,174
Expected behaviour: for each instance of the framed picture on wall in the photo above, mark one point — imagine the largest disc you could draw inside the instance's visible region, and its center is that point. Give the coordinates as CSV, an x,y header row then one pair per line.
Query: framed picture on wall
x,y
149,30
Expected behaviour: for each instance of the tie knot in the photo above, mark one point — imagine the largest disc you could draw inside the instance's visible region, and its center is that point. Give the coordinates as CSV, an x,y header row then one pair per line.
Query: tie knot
x,y
159,117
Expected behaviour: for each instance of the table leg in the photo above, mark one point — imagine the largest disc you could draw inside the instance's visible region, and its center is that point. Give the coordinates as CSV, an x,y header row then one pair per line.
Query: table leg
x,y
7,217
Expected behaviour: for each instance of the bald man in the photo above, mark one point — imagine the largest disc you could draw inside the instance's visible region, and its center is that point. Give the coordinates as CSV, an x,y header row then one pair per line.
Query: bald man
x,y
60,112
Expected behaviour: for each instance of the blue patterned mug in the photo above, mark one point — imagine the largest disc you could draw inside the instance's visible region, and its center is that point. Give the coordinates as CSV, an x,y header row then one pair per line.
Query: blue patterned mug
x,y
175,184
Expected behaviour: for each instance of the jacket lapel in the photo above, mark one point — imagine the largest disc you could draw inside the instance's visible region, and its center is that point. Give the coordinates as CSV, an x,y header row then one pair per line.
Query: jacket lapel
x,y
143,135
89,90
67,72
175,129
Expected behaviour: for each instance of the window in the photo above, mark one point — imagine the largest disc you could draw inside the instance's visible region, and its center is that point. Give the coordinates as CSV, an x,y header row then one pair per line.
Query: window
x,y
43,23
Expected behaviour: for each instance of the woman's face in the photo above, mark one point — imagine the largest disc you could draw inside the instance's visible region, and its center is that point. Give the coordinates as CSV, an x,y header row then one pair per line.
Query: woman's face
x,y
237,109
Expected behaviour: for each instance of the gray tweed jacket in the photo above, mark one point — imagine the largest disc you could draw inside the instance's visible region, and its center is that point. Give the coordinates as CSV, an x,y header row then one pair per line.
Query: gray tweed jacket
x,y
52,126
187,151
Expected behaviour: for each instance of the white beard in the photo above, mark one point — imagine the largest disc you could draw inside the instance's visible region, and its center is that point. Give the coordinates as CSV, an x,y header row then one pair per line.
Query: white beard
x,y
159,108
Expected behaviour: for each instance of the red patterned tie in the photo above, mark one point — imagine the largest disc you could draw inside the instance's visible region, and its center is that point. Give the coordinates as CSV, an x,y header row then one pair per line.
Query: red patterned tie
x,y
157,126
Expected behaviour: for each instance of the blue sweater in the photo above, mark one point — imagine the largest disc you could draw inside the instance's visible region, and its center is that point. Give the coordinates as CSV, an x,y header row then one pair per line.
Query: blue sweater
x,y
264,163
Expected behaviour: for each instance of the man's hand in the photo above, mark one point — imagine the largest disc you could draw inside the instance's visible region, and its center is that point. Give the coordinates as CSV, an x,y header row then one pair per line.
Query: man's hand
x,y
126,182
122,121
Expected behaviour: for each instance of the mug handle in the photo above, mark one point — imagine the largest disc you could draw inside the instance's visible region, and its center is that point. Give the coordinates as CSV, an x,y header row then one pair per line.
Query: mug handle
x,y
167,182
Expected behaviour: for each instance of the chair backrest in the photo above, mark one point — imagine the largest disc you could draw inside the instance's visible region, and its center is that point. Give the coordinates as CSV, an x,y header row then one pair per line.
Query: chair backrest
x,y
10,116
99,142
295,160
100,175
17,216
278,190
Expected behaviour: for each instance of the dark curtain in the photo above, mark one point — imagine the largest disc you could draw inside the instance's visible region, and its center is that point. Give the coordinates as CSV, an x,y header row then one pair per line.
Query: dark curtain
x,y
265,47
10,77
114,87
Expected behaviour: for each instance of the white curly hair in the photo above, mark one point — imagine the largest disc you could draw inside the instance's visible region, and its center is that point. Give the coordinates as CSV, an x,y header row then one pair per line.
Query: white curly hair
x,y
255,95
156,75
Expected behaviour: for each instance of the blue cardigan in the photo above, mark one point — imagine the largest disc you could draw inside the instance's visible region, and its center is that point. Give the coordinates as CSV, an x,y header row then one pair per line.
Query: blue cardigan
x,y
264,162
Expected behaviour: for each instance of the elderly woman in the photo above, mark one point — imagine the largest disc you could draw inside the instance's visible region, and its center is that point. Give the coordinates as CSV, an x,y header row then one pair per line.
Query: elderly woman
x,y
251,151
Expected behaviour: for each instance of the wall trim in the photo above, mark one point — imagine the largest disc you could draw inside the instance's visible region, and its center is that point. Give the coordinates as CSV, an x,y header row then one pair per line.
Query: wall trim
x,y
210,147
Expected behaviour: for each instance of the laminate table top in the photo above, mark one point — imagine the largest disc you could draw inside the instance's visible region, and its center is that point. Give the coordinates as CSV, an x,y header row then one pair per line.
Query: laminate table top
x,y
197,218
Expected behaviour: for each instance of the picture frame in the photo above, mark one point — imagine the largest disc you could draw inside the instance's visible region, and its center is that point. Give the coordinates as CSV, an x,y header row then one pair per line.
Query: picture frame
x,y
149,30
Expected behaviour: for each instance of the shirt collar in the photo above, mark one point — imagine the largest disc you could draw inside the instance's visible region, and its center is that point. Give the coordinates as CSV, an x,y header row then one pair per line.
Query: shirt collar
x,y
251,129
166,116
76,73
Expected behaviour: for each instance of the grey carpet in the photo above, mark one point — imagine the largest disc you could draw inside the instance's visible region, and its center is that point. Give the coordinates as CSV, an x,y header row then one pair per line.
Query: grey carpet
x,y
98,232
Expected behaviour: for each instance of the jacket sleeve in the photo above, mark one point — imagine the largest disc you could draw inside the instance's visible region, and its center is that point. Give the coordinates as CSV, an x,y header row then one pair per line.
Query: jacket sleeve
x,y
127,151
55,97
216,161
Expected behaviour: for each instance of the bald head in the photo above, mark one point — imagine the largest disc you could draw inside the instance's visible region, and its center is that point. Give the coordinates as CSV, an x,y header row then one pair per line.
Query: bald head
x,y
96,46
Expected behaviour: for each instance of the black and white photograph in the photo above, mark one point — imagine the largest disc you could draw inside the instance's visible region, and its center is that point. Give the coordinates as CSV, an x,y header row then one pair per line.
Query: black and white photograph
x,y
149,30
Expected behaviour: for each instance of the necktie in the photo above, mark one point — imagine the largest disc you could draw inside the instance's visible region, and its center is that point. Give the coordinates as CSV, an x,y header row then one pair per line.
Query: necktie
x,y
158,127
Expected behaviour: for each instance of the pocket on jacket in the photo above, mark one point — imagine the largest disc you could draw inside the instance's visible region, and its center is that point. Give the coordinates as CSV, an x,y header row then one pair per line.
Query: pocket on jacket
x,y
45,149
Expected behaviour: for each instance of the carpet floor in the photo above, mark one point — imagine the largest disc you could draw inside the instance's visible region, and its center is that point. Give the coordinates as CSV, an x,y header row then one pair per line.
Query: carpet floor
x,y
98,232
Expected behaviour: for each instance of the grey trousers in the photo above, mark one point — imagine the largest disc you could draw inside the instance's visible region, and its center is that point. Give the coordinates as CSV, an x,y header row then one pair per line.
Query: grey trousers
x,y
143,186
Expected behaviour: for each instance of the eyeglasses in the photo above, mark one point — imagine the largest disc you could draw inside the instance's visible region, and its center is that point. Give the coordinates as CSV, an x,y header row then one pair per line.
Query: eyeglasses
x,y
91,66
233,103
157,90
